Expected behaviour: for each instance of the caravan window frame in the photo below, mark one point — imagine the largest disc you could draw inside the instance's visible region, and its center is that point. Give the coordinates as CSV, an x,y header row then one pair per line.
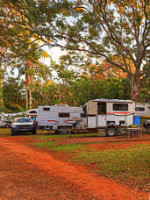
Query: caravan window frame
x,y
120,107
64,115
46,109
102,108
140,109
82,115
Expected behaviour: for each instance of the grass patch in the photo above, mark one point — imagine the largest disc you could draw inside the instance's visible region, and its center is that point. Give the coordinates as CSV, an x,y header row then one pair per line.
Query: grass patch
x,y
5,131
69,147
45,144
63,148
61,136
131,164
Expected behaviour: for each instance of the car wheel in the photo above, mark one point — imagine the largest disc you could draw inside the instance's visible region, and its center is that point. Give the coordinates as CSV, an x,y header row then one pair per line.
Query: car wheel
x,y
111,131
148,129
34,132
12,133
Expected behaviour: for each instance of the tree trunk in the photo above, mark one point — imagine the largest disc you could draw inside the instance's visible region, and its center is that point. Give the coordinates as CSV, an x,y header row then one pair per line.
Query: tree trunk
x,y
1,86
135,88
30,98
27,99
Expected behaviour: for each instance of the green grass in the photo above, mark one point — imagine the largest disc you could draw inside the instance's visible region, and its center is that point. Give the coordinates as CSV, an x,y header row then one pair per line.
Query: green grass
x,y
63,148
5,132
131,164
63,136
45,144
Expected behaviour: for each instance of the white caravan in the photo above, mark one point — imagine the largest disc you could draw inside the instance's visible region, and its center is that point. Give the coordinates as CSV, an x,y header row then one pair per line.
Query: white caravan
x,y
58,117
109,114
142,110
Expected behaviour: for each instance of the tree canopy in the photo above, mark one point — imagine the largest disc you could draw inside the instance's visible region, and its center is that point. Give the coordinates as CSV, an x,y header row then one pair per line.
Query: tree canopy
x,y
110,35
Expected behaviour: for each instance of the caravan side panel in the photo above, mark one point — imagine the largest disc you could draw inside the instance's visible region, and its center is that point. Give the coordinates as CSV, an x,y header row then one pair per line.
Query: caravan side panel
x,y
91,120
59,116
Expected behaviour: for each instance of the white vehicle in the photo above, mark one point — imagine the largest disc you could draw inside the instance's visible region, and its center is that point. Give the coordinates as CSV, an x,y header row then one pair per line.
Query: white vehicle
x,y
142,110
3,124
23,124
109,114
59,116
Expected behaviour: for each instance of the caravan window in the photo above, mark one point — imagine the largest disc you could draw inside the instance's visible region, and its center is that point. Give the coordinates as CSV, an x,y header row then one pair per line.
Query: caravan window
x,y
64,115
46,109
101,108
120,107
33,111
140,109
83,115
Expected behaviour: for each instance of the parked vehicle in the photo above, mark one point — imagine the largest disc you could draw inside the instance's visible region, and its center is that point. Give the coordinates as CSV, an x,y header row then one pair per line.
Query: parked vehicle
x,y
23,124
59,116
3,124
109,114
142,110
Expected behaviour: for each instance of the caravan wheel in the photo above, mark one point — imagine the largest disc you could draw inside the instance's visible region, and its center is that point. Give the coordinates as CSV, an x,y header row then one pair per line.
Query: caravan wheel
x,y
111,131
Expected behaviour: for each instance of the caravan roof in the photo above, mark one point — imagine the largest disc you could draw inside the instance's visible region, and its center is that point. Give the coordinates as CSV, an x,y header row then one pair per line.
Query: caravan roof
x,y
113,100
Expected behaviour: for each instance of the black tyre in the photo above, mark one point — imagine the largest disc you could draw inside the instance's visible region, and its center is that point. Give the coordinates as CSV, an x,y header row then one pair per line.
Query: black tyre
x,y
34,132
148,130
7,126
57,132
12,133
111,131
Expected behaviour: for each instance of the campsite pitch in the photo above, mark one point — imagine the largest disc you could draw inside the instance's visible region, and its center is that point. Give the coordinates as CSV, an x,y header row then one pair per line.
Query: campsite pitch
x,y
44,167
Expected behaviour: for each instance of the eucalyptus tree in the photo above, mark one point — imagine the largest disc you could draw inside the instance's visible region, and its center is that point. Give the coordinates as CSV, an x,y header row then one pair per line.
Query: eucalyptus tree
x,y
18,48
103,29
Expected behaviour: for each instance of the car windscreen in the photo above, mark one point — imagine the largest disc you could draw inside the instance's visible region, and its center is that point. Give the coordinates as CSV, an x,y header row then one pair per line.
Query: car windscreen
x,y
23,120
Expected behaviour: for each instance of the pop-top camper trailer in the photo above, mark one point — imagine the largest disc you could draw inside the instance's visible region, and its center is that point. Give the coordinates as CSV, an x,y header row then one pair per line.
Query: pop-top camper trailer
x,y
59,116
109,114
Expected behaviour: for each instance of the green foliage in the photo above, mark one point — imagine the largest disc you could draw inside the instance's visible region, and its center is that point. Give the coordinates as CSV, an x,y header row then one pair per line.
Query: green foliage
x,y
95,29
13,95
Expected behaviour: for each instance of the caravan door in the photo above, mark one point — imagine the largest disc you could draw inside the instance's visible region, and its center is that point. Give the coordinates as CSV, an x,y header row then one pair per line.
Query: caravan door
x,y
101,118
92,114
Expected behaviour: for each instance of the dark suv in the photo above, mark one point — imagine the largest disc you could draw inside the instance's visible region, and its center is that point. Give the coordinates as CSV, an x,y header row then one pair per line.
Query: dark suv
x,y
23,124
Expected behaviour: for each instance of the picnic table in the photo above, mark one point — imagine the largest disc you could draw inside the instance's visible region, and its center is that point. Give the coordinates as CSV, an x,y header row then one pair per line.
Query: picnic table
x,y
134,130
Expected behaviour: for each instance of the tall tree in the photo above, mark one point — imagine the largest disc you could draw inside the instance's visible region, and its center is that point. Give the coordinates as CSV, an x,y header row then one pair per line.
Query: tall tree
x,y
102,28
14,94
15,45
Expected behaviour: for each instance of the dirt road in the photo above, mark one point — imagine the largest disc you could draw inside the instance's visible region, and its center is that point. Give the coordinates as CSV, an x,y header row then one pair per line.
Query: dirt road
x,y
30,174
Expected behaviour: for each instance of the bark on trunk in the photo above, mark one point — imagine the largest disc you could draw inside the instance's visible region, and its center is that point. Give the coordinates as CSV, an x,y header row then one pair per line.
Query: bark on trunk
x,y
30,98
1,85
135,89
27,99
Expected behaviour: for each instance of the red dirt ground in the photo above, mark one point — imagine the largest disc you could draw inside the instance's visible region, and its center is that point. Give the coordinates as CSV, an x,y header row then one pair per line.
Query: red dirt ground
x,y
30,174
126,145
